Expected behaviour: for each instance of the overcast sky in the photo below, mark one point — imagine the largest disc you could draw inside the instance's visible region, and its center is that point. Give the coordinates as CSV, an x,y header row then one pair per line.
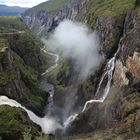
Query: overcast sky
x,y
22,3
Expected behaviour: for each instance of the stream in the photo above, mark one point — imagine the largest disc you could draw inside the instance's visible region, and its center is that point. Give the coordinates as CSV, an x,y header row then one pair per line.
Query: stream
x,y
52,121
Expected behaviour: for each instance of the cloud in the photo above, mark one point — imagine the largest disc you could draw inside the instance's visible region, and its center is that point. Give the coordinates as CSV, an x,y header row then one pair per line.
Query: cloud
x,y
21,3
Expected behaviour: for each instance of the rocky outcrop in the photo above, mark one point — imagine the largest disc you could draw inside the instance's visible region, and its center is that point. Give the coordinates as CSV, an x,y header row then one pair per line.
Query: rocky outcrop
x,y
109,30
45,21
27,47
127,69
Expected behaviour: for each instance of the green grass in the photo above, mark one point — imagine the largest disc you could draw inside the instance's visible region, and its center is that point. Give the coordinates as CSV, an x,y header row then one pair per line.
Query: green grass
x,y
108,8
48,6
5,78
3,43
12,23
13,122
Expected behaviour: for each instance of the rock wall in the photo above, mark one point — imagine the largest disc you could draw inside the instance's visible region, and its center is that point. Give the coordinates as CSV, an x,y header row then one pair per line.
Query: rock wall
x,y
44,21
119,114
127,69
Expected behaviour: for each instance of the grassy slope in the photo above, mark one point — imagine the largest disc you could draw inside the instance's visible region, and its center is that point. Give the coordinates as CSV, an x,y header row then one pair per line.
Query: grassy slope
x,y
11,23
107,8
14,122
51,5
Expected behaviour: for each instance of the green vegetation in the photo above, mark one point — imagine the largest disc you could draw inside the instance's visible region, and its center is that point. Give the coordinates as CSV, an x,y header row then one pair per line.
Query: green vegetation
x,y
3,43
11,24
17,69
89,86
63,68
27,135
108,8
30,78
5,78
48,6
13,122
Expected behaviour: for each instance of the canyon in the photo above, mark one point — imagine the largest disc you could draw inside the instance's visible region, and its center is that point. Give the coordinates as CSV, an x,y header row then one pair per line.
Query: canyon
x,y
106,104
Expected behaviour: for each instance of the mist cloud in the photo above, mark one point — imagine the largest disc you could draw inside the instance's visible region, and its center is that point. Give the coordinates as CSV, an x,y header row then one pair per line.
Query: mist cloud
x,y
78,42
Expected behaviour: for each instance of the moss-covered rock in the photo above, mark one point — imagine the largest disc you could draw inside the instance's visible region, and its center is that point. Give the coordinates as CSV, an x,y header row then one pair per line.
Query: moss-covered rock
x,y
19,64
13,122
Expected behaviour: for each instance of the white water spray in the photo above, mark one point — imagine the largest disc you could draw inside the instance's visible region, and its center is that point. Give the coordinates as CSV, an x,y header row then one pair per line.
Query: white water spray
x,y
44,122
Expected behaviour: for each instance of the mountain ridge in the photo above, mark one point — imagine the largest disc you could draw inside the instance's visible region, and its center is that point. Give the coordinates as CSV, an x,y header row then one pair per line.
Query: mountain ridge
x,y
11,10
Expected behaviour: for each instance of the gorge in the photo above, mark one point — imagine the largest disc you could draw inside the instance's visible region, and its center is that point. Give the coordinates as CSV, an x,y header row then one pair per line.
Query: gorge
x,y
81,82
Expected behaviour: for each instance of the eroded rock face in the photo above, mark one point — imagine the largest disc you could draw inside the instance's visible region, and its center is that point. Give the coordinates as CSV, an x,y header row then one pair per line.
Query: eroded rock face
x,y
119,113
133,64
109,30
127,73
127,69
45,21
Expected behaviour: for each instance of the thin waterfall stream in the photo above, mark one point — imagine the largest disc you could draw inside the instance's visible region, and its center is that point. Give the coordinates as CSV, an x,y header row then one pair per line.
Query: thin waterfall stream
x,y
52,120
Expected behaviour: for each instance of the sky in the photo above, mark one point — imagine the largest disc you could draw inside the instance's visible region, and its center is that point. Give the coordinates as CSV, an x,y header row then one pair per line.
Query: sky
x,y
21,3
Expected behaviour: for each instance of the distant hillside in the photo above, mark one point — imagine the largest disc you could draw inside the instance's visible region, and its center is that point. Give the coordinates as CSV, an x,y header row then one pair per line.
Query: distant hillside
x,y
11,10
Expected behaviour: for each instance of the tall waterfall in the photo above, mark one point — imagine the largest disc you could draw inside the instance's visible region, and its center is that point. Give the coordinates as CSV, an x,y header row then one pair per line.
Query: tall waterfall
x,y
109,73
50,124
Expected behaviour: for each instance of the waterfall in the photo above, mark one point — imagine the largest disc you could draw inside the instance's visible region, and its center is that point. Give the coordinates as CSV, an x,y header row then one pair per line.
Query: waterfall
x,y
49,123
109,72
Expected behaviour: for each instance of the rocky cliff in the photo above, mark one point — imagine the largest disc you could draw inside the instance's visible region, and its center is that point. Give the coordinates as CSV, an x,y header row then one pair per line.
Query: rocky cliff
x,y
43,21
118,116
20,59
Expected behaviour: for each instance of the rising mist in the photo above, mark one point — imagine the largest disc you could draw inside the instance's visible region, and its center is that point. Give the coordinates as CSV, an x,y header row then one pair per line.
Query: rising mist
x,y
78,42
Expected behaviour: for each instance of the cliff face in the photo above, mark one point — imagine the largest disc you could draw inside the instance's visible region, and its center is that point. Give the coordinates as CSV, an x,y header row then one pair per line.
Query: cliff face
x,y
118,115
28,49
20,59
44,21
127,69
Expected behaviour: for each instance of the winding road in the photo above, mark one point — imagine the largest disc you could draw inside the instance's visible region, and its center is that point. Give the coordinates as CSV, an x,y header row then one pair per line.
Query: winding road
x,y
13,33
56,61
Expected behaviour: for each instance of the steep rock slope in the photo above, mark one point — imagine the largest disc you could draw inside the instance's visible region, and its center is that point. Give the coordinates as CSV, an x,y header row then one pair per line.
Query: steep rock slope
x,y
15,123
18,69
46,16
119,115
